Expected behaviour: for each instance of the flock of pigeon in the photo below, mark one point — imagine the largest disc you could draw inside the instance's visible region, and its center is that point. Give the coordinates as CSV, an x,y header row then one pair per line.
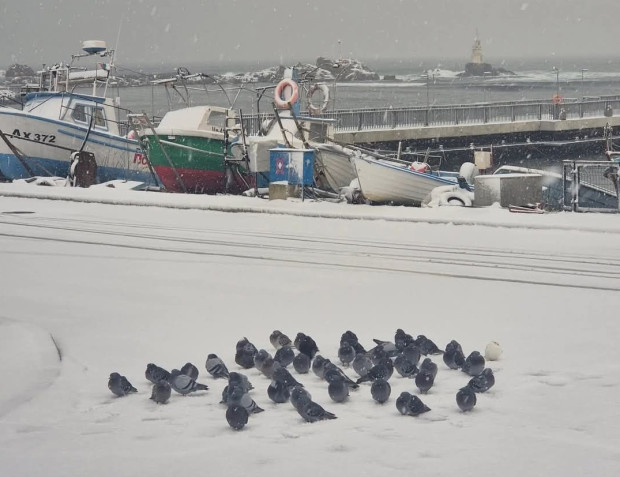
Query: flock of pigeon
x,y
374,366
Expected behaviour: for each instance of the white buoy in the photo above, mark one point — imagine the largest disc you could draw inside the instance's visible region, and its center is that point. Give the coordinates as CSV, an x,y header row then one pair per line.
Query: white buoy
x,y
493,351
93,47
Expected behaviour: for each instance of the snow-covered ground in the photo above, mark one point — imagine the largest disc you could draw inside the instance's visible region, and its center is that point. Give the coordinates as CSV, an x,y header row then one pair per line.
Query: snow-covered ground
x,y
110,287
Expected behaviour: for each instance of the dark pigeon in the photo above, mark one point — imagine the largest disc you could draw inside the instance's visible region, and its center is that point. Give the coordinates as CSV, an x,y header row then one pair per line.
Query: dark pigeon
x,y
279,339
278,392
285,356
474,364
244,355
332,372
466,399
346,353
351,338
427,346
238,379
338,390
301,363
412,353
453,355
237,417
119,385
382,370
428,366
299,397
306,345
313,412
410,405
318,365
161,392
236,395
402,339
282,375
380,390
483,382
404,367
362,364
424,381
190,370
156,374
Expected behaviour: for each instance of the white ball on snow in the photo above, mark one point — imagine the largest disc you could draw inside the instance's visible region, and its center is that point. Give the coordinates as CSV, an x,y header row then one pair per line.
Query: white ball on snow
x,y
493,351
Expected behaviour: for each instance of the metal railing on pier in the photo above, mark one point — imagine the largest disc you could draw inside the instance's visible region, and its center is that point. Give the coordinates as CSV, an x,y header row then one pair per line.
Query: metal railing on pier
x,y
451,115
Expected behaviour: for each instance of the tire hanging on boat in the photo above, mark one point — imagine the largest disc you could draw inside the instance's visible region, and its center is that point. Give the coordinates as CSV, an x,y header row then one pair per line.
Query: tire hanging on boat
x,y
279,99
316,110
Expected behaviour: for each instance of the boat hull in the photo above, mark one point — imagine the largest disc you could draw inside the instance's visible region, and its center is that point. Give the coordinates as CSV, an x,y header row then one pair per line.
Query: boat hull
x,y
334,166
387,182
192,163
47,145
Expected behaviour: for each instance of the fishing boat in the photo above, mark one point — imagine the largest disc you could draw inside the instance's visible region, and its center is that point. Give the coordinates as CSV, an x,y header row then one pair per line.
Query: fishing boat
x,y
396,182
57,121
334,165
189,151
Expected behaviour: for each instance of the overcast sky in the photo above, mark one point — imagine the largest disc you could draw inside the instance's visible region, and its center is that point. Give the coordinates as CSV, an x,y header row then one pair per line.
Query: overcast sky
x,y
230,31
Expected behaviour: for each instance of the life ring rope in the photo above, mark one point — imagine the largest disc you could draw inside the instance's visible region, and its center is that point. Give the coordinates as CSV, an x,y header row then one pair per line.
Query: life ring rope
x,y
278,96
312,108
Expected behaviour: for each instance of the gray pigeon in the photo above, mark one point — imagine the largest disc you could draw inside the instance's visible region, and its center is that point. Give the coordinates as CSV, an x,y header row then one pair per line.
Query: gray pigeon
x,y
269,365
190,370
380,390
259,359
283,376
474,364
338,390
216,367
362,364
301,363
156,374
238,396
483,382
299,397
161,392
453,355
119,385
279,339
410,405
466,399
236,416
285,356
346,353
424,381
318,365
402,339
428,366
183,384
412,353
312,412
427,346
332,372
244,355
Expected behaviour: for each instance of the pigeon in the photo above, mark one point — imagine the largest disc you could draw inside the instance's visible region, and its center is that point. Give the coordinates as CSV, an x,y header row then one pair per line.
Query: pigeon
x,y
268,366
301,363
306,345
338,390
313,412
331,372
282,375
351,338
380,390
382,370
346,353
429,367
412,353
483,382
161,392
285,356
427,346
119,385
453,355
474,364
382,347
183,384
279,339
493,351
237,416
410,405
244,355
299,397
318,365
236,395
216,367
424,381
404,367
260,358
361,364
156,374
238,379
402,339
466,399
278,391
190,370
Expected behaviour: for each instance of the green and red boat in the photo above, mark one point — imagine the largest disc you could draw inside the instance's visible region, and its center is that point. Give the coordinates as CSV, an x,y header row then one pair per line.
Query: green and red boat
x,y
189,151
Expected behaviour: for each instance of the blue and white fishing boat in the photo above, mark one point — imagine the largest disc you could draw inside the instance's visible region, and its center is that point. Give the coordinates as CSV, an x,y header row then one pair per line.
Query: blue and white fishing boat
x,y
56,121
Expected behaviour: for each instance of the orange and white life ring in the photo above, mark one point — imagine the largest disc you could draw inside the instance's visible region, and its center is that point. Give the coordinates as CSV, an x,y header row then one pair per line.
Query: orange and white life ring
x,y
289,88
557,99
322,87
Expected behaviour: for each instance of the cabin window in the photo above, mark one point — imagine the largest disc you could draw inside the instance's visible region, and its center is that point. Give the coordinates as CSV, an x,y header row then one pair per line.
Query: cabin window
x,y
217,119
82,113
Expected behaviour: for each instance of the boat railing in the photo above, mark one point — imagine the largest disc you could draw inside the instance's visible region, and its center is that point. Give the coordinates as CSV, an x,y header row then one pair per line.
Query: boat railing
x,y
449,115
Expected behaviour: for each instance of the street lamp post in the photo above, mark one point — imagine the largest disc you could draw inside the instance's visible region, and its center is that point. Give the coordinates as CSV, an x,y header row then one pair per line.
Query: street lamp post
x,y
583,70
427,76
